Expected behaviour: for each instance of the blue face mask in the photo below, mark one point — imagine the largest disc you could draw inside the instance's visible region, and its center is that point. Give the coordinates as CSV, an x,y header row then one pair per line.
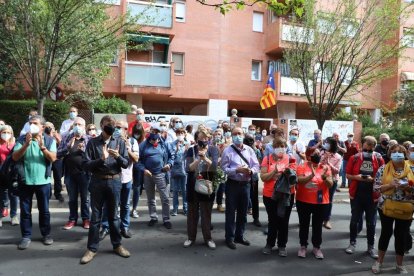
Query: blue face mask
x,y
178,125
140,117
77,130
327,146
316,136
293,138
154,136
397,156
72,115
411,156
117,133
237,140
252,132
227,134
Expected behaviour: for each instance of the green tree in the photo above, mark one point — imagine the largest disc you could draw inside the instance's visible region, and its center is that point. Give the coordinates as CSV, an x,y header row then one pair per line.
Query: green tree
x,y
339,54
405,104
55,42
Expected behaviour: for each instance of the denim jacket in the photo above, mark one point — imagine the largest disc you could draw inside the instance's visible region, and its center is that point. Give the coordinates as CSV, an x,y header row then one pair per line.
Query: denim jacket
x,y
178,167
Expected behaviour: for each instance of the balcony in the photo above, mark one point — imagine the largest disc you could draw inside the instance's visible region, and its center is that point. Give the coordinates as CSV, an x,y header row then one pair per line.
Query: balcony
x,y
292,86
151,14
147,74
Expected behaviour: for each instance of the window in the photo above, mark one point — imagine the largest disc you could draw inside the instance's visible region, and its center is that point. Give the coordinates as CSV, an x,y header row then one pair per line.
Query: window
x,y
257,22
347,74
325,26
349,29
158,56
178,59
272,16
323,73
114,61
408,38
256,70
180,11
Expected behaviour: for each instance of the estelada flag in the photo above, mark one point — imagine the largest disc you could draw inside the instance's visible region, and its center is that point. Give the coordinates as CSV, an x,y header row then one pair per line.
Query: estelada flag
x,y
269,94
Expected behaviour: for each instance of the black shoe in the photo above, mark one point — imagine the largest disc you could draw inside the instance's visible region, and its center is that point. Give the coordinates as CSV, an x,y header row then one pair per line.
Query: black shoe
x,y
211,227
126,233
231,245
152,222
103,233
167,225
60,198
257,223
243,241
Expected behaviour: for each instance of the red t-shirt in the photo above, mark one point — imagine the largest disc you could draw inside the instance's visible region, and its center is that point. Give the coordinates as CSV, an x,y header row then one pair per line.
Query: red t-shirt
x,y
145,125
282,164
308,192
4,151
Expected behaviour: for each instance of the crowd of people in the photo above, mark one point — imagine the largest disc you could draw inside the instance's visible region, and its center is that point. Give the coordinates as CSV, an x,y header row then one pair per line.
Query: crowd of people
x,y
107,169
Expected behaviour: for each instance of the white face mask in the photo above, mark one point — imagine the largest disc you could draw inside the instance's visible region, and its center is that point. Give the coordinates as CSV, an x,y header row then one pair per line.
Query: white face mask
x,y
279,151
5,136
180,138
350,139
264,133
34,129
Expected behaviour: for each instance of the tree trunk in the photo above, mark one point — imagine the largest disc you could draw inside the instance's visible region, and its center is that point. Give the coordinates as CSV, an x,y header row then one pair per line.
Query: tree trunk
x,y
40,104
320,122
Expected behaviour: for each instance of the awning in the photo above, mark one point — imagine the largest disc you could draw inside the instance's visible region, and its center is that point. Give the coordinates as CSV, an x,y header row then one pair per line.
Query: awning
x,y
407,76
149,38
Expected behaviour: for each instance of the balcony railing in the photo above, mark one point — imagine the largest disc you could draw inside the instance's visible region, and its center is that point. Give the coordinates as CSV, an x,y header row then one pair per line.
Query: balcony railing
x,y
151,14
147,74
293,33
293,86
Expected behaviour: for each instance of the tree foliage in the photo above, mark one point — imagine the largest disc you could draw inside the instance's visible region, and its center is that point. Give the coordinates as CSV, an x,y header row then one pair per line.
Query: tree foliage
x,y
339,54
112,105
60,42
404,100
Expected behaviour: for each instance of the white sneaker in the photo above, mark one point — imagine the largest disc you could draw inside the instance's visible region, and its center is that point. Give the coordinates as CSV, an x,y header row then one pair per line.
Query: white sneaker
x,y
188,243
282,251
401,269
211,244
15,221
134,214
376,268
350,249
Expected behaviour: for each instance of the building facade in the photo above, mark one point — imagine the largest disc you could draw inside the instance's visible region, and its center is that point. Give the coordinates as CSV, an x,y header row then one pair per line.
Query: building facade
x,y
203,63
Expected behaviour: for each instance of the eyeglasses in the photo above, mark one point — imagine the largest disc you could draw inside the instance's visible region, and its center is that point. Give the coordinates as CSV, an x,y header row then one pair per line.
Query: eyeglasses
x,y
92,129
177,122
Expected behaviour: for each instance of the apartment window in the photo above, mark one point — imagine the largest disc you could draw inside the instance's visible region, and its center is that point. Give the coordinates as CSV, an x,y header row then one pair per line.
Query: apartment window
x,y
325,26
349,29
180,11
323,73
347,74
408,38
272,16
178,59
257,22
256,70
114,61
158,56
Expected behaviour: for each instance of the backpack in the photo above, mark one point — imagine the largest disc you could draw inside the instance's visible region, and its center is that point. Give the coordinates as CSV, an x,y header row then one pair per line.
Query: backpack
x,y
9,173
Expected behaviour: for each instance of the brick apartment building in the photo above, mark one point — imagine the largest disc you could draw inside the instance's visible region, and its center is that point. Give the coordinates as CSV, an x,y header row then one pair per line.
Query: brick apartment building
x,y
204,63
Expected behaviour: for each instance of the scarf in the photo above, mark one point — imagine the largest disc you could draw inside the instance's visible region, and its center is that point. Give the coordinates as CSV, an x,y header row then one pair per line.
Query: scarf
x,y
390,173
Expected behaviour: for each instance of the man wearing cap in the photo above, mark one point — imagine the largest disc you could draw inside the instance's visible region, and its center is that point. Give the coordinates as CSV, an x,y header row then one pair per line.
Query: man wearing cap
x,y
352,148
155,162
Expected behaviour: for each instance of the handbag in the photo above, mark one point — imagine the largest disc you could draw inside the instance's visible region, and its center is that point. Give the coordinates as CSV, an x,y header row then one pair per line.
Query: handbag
x,y
203,186
398,209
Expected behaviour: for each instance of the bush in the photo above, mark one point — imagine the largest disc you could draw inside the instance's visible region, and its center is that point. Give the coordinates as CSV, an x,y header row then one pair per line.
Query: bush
x,y
15,112
342,115
112,105
401,131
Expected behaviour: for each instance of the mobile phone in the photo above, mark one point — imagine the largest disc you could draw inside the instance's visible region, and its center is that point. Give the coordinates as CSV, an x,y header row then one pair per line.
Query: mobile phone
x,y
320,196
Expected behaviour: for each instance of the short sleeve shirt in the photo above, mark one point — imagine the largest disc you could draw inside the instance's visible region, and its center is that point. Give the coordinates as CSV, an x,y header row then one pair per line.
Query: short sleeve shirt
x,y
126,174
35,163
308,192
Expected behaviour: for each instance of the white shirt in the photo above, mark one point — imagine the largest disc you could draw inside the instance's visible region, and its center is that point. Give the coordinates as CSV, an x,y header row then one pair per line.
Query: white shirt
x,y
171,136
66,126
298,146
25,129
126,174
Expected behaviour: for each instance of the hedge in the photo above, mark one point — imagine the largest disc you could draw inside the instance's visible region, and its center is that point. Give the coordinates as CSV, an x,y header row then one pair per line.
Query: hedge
x,y
15,112
401,132
112,105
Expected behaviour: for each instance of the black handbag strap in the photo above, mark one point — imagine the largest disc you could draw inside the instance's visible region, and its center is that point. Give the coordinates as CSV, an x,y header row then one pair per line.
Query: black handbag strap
x,y
241,156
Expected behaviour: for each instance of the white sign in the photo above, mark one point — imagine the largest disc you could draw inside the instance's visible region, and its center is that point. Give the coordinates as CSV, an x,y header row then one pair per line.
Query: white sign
x,y
307,127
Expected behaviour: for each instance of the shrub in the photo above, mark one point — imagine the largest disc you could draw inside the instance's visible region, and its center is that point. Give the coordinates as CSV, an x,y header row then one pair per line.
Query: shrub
x,y
112,105
15,112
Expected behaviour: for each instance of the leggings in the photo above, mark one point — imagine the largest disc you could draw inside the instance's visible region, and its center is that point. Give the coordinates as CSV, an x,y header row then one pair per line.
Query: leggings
x,y
401,230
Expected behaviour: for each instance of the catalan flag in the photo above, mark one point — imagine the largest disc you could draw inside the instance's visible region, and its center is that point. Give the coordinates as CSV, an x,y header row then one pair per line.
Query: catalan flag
x,y
269,94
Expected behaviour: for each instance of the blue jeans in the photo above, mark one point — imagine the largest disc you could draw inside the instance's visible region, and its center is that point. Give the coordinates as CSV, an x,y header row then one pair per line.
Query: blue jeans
x,y
178,184
57,168
220,192
360,205
42,193
138,180
77,184
104,191
124,208
9,200
343,173
237,199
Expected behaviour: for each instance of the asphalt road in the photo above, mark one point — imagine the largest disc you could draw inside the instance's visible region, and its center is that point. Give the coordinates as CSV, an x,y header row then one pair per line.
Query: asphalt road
x,y
158,251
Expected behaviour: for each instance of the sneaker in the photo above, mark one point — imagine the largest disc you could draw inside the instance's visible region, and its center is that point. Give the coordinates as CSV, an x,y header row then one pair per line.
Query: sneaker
x,y
86,224
188,243
60,198
211,244
167,225
69,225
317,253
257,223
327,224
220,208
250,211
5,212
121,251
87,257
15,221
282,252
47,240
376,268
401,269
302,252
24,244
126,233
372,252
350,249
152,222
134,214
267,250
173,213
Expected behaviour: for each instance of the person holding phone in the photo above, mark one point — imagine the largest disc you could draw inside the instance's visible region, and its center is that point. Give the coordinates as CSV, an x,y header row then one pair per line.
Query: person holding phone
x,y
72,150
360,172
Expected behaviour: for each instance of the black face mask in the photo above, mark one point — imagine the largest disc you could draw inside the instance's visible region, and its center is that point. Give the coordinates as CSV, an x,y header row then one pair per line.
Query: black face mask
x,y
315,159
369,151
48,130
385,142
109,129
202,144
